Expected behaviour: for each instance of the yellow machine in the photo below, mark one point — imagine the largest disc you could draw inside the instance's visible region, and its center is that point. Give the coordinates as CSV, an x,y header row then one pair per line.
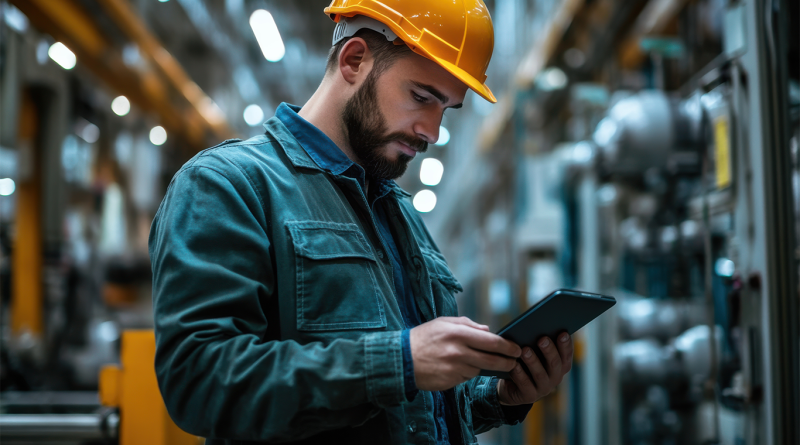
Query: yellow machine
x,y
132,388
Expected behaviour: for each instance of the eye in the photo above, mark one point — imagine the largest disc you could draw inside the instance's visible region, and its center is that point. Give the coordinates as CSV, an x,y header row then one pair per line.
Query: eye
x,y
418,98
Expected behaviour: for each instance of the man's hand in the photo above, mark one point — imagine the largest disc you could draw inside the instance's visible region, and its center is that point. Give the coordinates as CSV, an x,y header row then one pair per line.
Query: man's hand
x,y
451,350
520,389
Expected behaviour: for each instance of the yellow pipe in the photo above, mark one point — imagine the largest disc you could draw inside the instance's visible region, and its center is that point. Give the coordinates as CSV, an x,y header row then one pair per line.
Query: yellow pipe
x,y
27,288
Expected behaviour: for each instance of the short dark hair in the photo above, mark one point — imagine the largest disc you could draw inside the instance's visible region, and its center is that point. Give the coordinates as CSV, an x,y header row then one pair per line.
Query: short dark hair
x,y
384,51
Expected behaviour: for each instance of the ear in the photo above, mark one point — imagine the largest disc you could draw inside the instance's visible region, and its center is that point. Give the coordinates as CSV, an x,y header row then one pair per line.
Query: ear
x,y
355,60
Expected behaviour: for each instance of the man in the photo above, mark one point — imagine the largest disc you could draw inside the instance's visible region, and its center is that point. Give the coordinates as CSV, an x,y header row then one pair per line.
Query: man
x,y
298,296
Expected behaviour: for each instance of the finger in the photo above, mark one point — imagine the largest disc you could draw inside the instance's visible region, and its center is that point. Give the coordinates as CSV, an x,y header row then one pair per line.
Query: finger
x,y
566,350
551,357
466,322
540,377
488,342
524,383
491,362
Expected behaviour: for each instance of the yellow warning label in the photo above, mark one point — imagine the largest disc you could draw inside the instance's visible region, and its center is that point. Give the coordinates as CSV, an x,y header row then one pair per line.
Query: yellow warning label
x,y
722,151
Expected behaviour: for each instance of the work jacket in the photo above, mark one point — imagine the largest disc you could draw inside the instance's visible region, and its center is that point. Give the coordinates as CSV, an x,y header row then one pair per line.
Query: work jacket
x,y
275,315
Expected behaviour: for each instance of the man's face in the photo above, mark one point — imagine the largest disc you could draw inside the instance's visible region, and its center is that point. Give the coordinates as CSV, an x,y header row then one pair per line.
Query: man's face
x,y
396,114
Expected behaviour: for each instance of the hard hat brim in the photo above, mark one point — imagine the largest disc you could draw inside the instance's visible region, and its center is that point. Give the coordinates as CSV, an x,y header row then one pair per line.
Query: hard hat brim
x,y
479,88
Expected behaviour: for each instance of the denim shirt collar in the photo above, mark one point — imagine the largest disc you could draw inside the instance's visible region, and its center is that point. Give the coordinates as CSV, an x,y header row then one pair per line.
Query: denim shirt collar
x,y
324,152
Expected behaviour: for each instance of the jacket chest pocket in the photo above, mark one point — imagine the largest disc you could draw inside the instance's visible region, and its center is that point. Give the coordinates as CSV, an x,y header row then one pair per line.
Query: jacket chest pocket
x,y
443,284
335,280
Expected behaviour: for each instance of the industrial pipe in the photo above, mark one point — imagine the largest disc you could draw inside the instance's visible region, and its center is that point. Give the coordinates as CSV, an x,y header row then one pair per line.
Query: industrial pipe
x,y
98,426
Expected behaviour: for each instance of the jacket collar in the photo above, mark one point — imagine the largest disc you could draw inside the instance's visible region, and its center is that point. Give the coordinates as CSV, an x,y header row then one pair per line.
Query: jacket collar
x,y
306,146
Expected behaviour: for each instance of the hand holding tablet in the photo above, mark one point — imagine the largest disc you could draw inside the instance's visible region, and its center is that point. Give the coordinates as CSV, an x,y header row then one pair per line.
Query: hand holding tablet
x,y
564,310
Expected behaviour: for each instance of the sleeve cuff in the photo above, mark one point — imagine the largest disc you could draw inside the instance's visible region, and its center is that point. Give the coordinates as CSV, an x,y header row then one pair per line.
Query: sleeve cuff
x,y
408,367
487,397
384,366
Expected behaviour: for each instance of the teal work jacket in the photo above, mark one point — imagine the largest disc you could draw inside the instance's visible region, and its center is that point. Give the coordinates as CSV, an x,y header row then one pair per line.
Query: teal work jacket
x,y
275,314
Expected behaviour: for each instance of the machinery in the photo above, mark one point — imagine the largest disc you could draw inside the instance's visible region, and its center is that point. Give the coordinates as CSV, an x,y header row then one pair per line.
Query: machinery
x,y
695,193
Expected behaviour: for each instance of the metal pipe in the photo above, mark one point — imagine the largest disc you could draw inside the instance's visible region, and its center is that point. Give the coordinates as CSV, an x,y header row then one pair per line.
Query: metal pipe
x,y
97,426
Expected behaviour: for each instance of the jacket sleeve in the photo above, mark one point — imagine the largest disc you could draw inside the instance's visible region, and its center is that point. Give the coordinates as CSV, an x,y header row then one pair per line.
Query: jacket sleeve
x,y
487,412
219,376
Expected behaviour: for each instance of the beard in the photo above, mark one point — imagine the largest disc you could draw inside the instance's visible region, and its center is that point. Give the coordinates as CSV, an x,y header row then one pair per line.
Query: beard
x,y
367,134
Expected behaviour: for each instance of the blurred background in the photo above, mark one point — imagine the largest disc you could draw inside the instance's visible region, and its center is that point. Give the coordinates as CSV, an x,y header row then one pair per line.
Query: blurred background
x,y
646,149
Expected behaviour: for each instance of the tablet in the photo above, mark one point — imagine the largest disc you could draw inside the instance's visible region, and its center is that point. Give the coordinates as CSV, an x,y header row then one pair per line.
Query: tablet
x,y
564,310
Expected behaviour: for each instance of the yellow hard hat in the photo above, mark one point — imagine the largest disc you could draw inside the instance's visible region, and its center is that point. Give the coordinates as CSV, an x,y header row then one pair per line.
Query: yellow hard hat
x,y
456,34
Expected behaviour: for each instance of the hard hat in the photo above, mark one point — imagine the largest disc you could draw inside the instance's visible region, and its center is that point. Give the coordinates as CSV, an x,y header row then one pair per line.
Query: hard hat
x,y
456,34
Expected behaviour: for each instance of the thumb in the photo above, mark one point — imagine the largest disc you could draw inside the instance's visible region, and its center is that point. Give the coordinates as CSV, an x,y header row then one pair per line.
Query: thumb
x,y
466,322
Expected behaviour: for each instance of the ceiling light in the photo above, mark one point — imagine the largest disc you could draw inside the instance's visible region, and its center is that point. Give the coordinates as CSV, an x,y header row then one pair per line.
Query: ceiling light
x,y
724,267
90,133
444,136
253,115
552,79
121,106
424,201
267,35
62,55
15,18
430,172
7,186
158,135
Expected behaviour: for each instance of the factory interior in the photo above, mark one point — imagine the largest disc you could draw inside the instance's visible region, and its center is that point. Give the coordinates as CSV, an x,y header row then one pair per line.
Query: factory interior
x,y
643,149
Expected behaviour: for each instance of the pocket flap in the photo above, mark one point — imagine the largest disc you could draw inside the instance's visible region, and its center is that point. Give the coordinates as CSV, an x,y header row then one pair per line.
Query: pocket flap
x,y
320,240
437,268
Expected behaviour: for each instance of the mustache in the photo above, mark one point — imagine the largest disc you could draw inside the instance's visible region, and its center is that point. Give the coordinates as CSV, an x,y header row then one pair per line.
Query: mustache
x,y
414,142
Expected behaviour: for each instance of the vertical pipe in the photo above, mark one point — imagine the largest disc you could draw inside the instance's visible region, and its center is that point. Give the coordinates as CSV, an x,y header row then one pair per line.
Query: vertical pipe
x,y
592,397
27,284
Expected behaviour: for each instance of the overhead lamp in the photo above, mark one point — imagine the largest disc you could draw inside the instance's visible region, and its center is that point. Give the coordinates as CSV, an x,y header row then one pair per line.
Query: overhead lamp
x,y
90,133
424,201
7,186
444,136
121,106
62,55
267,35
158,135
15,18
552,79
724,267
253,115
430,172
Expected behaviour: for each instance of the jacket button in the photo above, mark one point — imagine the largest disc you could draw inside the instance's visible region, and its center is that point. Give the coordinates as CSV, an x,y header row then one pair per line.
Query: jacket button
x,y
412,427
380,254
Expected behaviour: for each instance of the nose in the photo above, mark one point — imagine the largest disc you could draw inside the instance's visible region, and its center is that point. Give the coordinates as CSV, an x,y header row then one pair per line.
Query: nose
x,y
427,128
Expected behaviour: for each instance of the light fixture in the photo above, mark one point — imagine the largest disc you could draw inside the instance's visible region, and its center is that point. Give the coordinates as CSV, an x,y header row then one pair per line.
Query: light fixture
x,y
424,201
90,133
158,135
552,79
62,55
430,172
267,35
15,18
253,115
724,267
444,136
7,186
121,106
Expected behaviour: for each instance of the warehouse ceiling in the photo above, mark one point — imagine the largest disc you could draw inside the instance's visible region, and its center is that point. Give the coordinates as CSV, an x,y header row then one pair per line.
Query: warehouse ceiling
x,y
213,41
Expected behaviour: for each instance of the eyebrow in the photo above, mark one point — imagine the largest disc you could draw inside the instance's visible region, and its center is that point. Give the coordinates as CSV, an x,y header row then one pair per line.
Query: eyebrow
x,y
435,93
